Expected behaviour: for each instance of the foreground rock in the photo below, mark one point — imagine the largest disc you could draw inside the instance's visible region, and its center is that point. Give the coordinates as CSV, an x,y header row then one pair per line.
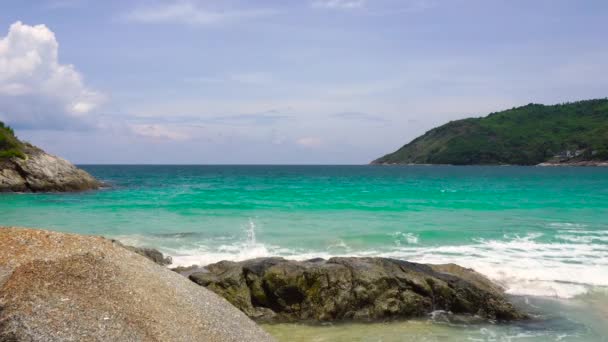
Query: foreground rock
x,y
64,287
40,171
277,290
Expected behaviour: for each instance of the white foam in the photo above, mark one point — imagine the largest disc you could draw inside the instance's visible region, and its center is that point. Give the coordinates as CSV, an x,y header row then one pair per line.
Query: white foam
x,y
409,238
593,232
582,239
521,264
223,252
526,267
567,225
339,245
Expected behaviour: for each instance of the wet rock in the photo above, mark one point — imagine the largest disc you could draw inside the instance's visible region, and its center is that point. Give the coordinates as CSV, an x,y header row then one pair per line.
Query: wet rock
x,y
362,289
186,271
152,254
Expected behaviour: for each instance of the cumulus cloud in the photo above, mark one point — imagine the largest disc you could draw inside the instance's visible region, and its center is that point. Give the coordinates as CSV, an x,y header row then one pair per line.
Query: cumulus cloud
x,y
192,13
36,91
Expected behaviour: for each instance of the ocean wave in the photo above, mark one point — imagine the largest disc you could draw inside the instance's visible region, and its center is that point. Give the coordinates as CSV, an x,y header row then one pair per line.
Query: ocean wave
x,y
585,232
583,238
340,245
521,265
567,225
408,238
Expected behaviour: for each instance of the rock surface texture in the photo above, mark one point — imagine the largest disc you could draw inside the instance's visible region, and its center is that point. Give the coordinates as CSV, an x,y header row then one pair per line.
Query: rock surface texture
x,y
40,171
64,287
365,289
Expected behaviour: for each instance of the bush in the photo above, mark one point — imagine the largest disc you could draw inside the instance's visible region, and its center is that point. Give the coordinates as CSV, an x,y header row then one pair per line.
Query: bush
x,y
10,146
12,153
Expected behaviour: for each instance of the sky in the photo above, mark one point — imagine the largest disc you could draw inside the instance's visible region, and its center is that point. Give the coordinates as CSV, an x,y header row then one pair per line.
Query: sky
x,y
282,81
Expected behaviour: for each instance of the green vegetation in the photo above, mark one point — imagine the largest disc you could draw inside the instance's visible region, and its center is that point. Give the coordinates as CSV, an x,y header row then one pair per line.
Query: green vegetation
x,y
10,146
525,135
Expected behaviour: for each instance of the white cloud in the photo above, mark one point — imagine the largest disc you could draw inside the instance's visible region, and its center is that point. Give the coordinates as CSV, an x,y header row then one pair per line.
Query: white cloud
x,y
252,78
35,89
376,7
158,131
309,142
193,13
338,4
246,78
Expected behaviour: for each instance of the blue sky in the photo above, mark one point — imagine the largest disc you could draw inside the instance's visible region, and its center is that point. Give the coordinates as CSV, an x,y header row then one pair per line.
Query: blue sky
x,y
309,81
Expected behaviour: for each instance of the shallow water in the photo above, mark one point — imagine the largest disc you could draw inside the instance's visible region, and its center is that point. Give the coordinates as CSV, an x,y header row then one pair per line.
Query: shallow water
x,y
537,231
553,320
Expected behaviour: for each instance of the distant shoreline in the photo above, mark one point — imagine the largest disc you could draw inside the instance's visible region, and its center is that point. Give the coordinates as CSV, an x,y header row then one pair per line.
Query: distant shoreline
x,y
592,163
544,164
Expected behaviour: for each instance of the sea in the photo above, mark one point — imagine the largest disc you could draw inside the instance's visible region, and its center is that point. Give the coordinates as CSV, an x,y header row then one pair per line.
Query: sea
x,y
540,232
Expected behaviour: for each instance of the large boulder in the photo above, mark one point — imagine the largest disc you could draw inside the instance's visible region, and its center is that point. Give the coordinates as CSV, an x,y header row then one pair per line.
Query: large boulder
x,y
39,171
65,287
367,289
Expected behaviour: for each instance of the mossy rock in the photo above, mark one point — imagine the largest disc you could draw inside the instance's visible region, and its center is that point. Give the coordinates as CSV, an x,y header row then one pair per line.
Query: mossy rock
x,y
362,289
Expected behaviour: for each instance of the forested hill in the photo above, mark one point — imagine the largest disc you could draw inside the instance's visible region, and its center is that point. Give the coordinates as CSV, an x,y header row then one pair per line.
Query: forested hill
x,y
567,133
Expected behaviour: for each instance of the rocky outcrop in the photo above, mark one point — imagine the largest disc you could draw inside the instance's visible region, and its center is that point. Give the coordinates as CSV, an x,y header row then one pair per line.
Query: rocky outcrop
x,y
66,287
40,171
152,254
365,289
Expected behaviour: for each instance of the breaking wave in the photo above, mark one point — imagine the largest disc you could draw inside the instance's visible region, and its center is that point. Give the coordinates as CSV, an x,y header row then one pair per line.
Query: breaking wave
x,y
572,264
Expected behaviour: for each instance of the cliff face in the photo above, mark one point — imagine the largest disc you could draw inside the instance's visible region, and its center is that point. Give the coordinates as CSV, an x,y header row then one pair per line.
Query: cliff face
x,y
67,287
39,171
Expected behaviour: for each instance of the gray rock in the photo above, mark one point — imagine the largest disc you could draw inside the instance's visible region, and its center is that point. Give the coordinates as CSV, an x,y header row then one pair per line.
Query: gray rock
x,y
363,289
186,271
152,254
67,287
40,171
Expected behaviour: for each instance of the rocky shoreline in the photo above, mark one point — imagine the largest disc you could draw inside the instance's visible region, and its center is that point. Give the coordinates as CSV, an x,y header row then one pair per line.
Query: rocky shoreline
x,y
367,289
582,163
590,163
56,287
42,172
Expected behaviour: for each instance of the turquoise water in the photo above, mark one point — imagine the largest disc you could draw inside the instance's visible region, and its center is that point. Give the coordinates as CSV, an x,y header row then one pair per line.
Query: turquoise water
x,y
540,232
